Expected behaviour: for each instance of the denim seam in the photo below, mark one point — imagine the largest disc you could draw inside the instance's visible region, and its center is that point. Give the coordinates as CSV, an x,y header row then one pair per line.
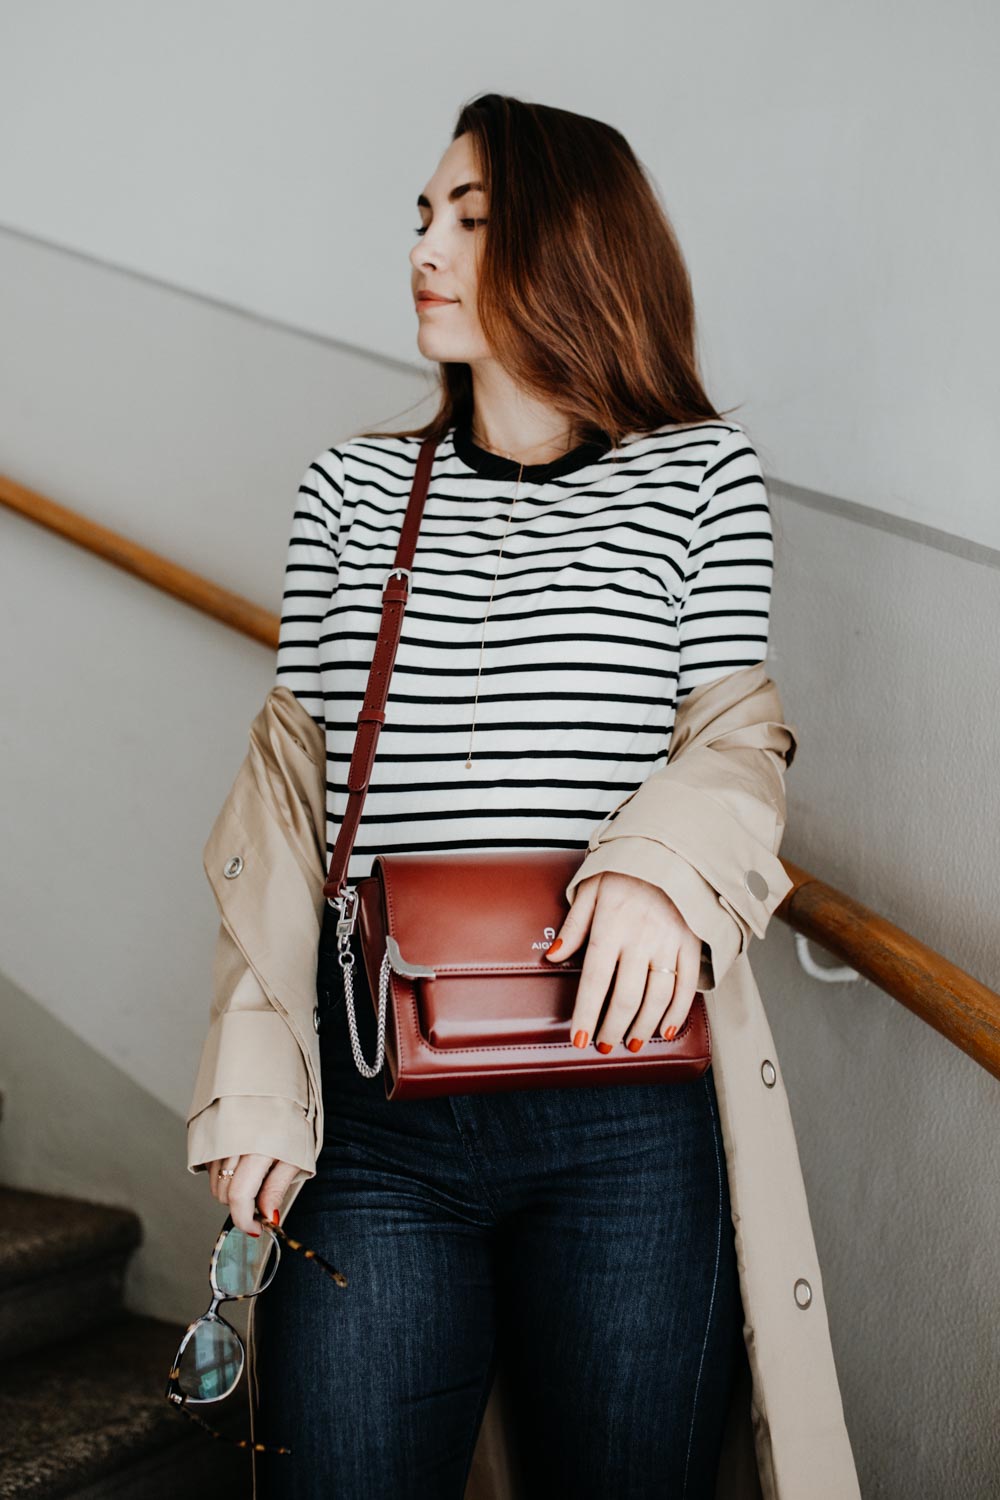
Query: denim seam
x,y
469,1146
711,1304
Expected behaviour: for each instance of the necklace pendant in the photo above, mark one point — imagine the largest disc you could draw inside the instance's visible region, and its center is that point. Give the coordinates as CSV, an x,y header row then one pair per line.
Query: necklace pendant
x,y
468,765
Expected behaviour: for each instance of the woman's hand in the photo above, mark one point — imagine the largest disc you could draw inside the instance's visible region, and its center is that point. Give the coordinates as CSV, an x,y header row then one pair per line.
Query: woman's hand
x,y
632,924
257,1182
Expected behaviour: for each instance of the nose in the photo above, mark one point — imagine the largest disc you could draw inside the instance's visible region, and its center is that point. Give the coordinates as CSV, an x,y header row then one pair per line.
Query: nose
x,y
426,253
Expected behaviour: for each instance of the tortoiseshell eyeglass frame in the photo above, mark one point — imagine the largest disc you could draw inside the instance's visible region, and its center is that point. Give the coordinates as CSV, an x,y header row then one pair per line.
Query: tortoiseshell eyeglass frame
x,y
173,1392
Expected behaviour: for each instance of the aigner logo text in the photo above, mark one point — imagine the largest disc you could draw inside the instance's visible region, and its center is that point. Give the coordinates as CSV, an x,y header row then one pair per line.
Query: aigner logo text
x,y
547,940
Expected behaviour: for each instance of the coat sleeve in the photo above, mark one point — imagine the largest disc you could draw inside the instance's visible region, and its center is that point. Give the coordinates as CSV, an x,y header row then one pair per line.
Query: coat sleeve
x,y
251,1093
256,1089
707,826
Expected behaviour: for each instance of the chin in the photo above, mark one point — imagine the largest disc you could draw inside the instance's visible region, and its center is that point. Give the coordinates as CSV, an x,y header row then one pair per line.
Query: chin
x,y
443,349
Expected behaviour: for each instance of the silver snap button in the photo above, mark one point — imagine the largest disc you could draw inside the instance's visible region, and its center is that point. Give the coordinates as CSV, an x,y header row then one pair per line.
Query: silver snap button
x,y
233,867
803,1292
756,885
767,1072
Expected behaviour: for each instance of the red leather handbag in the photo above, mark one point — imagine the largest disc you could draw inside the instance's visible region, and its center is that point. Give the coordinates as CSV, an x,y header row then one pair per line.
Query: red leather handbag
x,y
454,943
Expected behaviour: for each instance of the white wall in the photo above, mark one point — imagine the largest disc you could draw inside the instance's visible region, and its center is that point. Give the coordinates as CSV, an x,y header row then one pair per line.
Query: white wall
x,y
828,168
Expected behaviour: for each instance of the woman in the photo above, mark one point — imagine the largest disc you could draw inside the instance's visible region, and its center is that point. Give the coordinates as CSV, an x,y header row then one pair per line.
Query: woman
x,y
596,545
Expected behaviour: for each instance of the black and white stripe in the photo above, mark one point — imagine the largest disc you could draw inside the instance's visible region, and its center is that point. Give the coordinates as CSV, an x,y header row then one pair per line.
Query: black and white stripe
x,y
629,576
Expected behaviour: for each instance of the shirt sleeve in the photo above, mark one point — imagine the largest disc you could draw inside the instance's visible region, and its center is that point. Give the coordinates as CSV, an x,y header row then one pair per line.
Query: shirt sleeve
x,y
726,596
311,567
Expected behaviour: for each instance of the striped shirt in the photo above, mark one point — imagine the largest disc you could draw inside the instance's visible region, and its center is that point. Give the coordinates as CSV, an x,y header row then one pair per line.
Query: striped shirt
x,y
629,575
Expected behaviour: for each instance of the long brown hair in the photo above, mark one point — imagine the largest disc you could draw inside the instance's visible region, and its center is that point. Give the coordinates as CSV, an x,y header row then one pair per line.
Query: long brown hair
x,y
583,293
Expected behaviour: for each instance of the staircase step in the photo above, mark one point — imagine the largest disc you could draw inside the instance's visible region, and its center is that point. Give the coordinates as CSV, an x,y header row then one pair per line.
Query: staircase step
x,y
87,1420
62,1267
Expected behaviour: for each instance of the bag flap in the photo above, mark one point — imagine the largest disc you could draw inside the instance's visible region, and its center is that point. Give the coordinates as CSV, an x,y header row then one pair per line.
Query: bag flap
x,y
478,911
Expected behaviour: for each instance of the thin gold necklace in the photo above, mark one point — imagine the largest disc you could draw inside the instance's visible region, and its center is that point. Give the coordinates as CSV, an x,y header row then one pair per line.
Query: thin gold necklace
x,y
482,643
490,448
489,602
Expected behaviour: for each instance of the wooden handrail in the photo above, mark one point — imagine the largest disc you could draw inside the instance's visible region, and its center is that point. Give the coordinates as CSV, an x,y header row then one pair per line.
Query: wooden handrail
x,y
249,619
936,990
958,1006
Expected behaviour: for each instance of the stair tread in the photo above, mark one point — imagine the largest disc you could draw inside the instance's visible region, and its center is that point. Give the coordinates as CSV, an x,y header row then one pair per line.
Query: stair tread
x,y
86,1408
44,1234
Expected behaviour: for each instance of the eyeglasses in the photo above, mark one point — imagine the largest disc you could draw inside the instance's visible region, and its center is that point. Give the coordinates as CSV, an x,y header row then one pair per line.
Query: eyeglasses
x,y
210,1360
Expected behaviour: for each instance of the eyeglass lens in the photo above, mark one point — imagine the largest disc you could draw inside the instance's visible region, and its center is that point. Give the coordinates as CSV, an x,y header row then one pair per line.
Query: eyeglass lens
x,y
241,1259
211,1362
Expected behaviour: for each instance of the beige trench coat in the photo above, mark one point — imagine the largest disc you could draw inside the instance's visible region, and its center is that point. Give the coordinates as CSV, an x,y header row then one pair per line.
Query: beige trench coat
x,y
706,829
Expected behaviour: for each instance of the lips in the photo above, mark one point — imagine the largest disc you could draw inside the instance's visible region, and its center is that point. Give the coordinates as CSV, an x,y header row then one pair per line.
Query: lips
x,y
430,297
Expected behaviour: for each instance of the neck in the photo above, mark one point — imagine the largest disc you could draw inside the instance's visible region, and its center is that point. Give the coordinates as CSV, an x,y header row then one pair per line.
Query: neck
x,y
507,421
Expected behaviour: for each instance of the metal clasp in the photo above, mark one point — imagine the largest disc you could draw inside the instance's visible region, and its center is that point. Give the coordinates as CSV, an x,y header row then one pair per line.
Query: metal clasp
x,y
403,573
347,905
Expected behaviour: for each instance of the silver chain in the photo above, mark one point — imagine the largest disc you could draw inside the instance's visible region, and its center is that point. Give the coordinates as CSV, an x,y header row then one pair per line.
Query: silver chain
x,y
365,1069
347,907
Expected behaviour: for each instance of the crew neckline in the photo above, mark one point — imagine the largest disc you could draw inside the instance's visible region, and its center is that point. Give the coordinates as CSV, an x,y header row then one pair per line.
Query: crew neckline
x,y
495,466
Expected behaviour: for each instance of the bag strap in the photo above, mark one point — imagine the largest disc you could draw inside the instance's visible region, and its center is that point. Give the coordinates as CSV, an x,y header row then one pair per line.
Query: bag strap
x,y
371,717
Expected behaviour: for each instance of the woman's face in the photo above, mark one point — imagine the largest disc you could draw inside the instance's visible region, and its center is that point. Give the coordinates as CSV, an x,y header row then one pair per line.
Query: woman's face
x,y
445,259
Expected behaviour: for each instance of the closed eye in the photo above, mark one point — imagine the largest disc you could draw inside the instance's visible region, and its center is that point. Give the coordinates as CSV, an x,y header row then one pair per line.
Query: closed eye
x,y
422,228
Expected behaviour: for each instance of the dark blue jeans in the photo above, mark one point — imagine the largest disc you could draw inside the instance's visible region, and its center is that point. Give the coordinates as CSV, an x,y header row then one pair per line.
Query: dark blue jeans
x,y
582,1235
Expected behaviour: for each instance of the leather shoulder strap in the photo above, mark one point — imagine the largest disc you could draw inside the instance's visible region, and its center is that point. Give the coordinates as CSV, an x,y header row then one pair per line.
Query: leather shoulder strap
x,y
371,717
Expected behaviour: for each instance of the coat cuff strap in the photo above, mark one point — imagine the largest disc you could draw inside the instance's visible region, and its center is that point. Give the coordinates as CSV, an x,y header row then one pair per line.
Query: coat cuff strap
x,y
246,1124
724,935
250,1052
736,855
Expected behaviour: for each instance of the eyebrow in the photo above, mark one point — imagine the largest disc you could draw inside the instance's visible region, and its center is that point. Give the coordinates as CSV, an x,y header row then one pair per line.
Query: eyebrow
x,y
454,195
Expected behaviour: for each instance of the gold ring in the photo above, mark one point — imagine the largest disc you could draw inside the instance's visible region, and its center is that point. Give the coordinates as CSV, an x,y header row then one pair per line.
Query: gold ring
x,y
657,970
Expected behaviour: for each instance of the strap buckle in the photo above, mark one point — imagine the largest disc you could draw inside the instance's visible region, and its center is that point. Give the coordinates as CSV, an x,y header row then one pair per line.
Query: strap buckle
x,y
406,573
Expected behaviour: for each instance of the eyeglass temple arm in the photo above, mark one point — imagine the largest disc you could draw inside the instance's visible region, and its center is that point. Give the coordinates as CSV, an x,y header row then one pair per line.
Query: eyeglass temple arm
x,y
176,1399
324,1265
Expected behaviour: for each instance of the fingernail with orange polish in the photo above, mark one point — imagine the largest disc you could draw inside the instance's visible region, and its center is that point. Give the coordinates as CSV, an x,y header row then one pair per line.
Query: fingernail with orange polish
x,y
274,1217
604,1047
580,1039
670,1033
635,1044
553,946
